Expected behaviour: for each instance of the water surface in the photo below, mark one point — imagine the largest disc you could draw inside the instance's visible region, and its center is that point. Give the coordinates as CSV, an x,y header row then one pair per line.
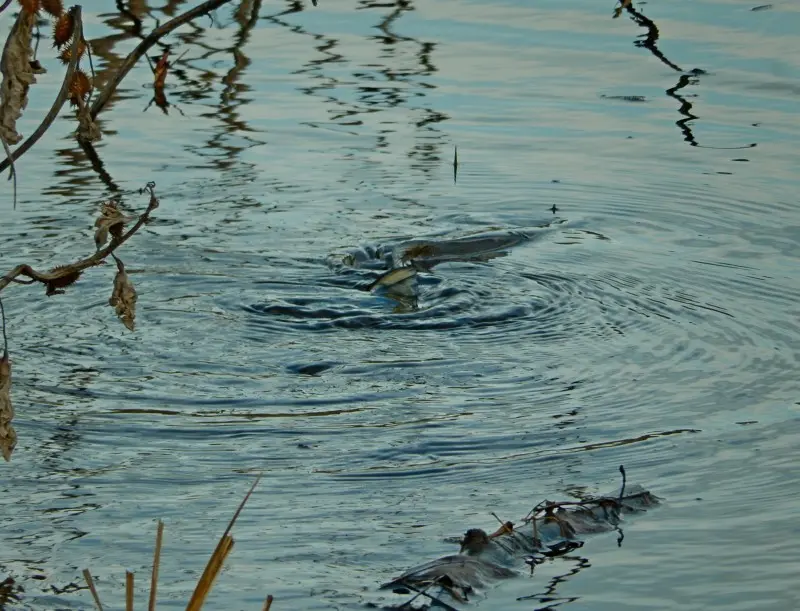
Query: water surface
x,y
649,317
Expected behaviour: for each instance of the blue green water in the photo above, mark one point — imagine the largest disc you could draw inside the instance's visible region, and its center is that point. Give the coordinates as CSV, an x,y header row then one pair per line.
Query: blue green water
x,y
651,319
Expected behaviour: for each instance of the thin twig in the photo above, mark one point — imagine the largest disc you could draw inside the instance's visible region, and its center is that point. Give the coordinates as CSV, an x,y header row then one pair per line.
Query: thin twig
x,y
217,558
128,591
144,46
13,173
5,337
90,582
622,490
91,261
438,601
156,563
421,592
63,94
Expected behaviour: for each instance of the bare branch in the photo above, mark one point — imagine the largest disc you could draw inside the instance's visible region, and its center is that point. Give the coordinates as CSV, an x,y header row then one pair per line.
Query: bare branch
x,y
91,261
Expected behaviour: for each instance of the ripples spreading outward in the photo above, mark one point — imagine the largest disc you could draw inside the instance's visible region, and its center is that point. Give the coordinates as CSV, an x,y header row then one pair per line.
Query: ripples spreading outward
x,y
612,278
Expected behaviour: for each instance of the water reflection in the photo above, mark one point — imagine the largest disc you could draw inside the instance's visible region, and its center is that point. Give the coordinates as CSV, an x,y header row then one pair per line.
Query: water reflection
x,y
649,41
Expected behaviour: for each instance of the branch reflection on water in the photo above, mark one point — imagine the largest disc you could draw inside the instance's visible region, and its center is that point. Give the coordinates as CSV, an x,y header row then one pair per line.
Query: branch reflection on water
x,y
649,41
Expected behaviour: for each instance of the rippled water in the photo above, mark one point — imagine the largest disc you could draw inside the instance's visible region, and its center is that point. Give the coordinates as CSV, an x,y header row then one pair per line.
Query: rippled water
x,y
645,312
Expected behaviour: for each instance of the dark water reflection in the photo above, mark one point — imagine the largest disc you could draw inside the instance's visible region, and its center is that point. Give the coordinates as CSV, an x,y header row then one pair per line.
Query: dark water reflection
x,y
643,310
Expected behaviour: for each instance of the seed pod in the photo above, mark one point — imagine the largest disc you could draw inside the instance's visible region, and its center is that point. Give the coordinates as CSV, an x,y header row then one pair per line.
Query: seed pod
x,y
66,53
30,6
62,30
79,87
54,7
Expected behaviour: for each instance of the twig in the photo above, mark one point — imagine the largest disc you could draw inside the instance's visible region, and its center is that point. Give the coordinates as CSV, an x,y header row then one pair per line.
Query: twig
x,y
217,558
5,337
267,603
144,46
13,173
128,591
156,563
438,601
91,261
622,490
90,582
63,94
420,592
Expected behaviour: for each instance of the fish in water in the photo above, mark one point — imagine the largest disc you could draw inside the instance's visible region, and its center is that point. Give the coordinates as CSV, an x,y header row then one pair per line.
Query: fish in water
x,y
399,281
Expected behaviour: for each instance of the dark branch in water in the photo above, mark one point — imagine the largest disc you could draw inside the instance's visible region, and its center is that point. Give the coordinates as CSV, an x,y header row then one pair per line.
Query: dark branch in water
x,y
686,110
438,601
622,489
651,38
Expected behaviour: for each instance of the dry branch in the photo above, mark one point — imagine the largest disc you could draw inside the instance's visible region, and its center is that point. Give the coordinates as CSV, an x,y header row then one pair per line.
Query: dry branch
x,y
48,278
63,94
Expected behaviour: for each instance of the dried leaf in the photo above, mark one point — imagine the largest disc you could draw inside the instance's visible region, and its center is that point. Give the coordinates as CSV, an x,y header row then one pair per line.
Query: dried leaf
x,y
62,30
8,436
101,236
87,131
160,72
123,298
54,7
18,76
112,221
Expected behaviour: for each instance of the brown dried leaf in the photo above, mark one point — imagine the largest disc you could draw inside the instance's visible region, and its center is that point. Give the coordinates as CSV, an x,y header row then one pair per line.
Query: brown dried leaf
x,y
101,236
54,7
112,221
18,76
87,131
8,436
123,298
62,29
160,72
